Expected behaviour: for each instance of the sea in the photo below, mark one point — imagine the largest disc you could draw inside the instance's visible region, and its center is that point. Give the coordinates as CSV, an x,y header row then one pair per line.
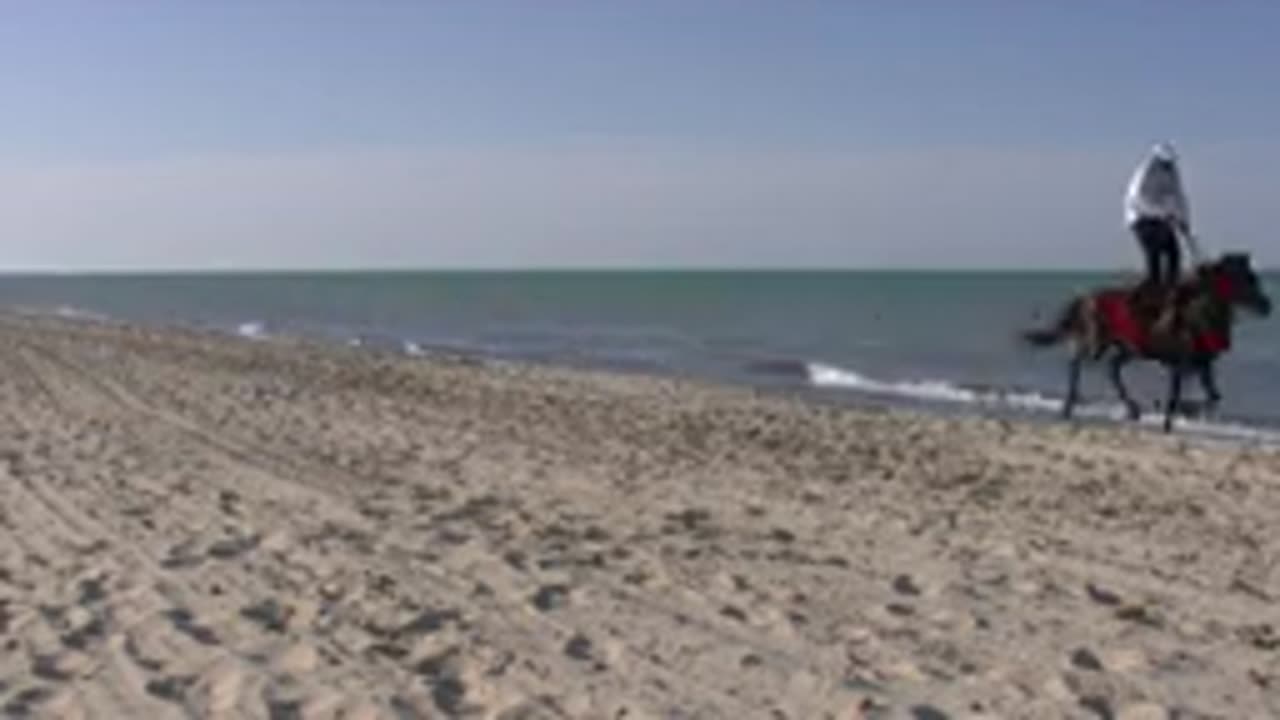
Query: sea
x,y
947,341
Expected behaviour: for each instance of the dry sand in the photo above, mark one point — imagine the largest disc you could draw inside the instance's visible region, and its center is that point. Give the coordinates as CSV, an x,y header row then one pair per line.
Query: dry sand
x,y
198,526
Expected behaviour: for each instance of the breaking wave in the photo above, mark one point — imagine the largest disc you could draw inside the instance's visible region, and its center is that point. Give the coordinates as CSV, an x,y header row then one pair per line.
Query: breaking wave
x,y
252,329
822,375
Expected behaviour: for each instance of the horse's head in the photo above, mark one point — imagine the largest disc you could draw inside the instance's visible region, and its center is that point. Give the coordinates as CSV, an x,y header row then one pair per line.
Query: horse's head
x,y
1233,280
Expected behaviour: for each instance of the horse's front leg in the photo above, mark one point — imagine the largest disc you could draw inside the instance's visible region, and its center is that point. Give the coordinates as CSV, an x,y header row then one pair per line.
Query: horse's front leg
x,y
1118,361
1209,381
1176,371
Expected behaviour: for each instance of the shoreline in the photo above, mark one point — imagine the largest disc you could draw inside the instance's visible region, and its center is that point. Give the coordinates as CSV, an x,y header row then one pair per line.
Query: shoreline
x,y
194,523
941,397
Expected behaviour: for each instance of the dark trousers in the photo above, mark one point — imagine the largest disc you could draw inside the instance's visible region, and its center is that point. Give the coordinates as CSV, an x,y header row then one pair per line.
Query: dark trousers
x,y
1159,242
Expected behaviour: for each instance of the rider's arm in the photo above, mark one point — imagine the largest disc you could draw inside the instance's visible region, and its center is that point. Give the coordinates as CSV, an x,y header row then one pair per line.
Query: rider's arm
x,y
1193,244
1177,205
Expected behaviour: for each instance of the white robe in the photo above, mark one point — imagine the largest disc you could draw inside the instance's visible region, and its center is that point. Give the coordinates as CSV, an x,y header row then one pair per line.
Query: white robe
x,y
1156,192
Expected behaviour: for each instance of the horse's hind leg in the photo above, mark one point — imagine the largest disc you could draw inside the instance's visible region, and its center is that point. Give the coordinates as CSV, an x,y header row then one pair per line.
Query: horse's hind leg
x,y
1118,361
1073,383
1209,381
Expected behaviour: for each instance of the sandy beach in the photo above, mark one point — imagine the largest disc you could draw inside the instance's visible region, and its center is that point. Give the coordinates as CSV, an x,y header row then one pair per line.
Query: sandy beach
x,y
203,526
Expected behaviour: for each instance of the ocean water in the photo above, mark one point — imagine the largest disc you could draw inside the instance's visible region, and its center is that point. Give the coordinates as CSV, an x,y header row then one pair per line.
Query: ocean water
x,y
946,340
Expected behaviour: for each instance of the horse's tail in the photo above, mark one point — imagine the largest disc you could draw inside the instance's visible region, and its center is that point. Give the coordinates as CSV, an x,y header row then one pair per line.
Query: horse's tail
x,y
1058,331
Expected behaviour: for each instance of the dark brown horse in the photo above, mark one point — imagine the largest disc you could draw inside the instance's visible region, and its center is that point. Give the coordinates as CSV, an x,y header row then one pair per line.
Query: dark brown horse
x,y
1119,323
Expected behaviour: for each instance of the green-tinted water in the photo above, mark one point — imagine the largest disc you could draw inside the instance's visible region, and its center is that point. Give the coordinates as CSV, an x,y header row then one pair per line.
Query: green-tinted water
x,y
933,336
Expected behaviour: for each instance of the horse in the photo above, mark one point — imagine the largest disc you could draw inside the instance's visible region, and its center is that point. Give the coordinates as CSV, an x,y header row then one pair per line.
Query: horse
x,y
1111,321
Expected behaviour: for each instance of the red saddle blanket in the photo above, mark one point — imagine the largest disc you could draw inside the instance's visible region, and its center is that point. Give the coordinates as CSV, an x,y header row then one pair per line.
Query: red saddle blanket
x,y
1130,328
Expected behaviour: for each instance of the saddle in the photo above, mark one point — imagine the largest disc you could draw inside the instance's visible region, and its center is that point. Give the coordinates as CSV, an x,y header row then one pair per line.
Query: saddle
x,y
1152,302
1145,317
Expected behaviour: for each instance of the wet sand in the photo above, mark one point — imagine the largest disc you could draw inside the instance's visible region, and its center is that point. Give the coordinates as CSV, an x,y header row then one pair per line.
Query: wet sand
x,y
194,525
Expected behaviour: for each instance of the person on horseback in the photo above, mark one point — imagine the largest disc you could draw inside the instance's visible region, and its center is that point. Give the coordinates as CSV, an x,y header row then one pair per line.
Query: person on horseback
x,y
1158,215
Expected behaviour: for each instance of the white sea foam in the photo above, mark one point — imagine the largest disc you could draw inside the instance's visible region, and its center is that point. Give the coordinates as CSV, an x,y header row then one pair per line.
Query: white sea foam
x,y
252,329
941,391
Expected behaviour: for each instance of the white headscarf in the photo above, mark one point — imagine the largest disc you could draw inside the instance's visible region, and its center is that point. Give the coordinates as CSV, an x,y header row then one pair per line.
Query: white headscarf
x,y
1166,152
1155,191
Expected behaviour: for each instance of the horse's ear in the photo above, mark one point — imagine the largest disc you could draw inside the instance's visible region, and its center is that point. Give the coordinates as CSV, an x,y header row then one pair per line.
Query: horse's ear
x,y
1236,261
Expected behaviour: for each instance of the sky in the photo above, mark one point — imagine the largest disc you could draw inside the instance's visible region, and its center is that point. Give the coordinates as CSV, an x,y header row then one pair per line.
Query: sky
x,y
310,134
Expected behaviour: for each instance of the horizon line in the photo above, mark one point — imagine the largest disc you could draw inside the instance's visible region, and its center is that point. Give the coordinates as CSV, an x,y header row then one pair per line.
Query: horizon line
x,y
555,269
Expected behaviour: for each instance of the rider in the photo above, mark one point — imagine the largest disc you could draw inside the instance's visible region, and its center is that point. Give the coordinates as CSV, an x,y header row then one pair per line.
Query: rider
x,y
1156,212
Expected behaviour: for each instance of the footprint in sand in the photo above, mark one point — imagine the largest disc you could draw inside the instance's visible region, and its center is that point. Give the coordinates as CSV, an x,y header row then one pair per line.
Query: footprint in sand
x,y
93,590
278,617
170,687
84,629
579,647
216,690
430,621
551,597
62,666
25,701
182,557
449,680
927,712
185,623
906,585
234,547
583,649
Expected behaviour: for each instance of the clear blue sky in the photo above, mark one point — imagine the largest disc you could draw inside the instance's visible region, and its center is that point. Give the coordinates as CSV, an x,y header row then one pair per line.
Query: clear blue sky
x,y
256,134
